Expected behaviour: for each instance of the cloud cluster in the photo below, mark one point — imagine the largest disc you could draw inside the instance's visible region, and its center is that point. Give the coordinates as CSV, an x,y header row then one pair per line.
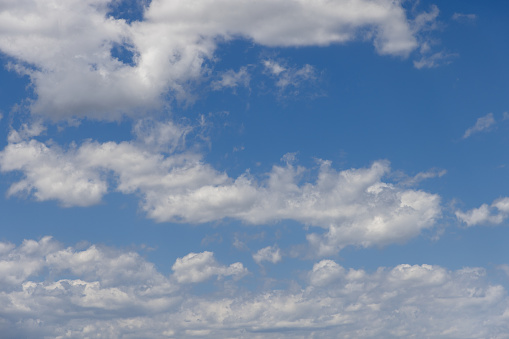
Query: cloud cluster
x,y
51,291
355,205
70,49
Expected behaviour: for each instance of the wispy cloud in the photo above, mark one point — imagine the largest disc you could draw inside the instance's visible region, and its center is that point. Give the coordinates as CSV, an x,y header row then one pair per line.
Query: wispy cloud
x,y
464,17
198,267
289,76
432,173
483,124
232,79
434,60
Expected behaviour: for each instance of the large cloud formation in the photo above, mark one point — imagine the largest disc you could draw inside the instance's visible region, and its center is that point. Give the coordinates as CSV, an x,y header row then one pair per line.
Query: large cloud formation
x,y
49,291
70,49
356,206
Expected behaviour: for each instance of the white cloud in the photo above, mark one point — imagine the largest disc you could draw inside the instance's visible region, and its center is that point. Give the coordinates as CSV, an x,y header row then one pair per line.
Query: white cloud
x,y
19,263
269,253
433,173
282,23
50,173
232,79
162,136
482,124
355,206
486,214
407,300
434,60
198,267
504,268
65,47
325,272
289,77
26,131
273,67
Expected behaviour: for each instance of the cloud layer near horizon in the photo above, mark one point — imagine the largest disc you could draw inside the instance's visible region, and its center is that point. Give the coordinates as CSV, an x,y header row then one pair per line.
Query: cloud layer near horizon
x,y
48,290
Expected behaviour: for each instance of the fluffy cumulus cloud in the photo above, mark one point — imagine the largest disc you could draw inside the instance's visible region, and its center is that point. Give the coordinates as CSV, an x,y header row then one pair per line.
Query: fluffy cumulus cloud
x,y
355,205
84,62
50,291
493,214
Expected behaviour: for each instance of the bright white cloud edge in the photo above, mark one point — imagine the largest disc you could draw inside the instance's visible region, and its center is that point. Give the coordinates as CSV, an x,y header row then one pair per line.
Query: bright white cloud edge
x,y
51,291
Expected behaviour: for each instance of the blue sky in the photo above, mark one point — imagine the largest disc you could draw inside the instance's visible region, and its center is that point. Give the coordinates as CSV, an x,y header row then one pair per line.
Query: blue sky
x,y
240,169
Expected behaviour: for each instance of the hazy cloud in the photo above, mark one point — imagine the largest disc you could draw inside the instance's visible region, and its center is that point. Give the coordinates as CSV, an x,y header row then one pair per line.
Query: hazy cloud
x,y
289,79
